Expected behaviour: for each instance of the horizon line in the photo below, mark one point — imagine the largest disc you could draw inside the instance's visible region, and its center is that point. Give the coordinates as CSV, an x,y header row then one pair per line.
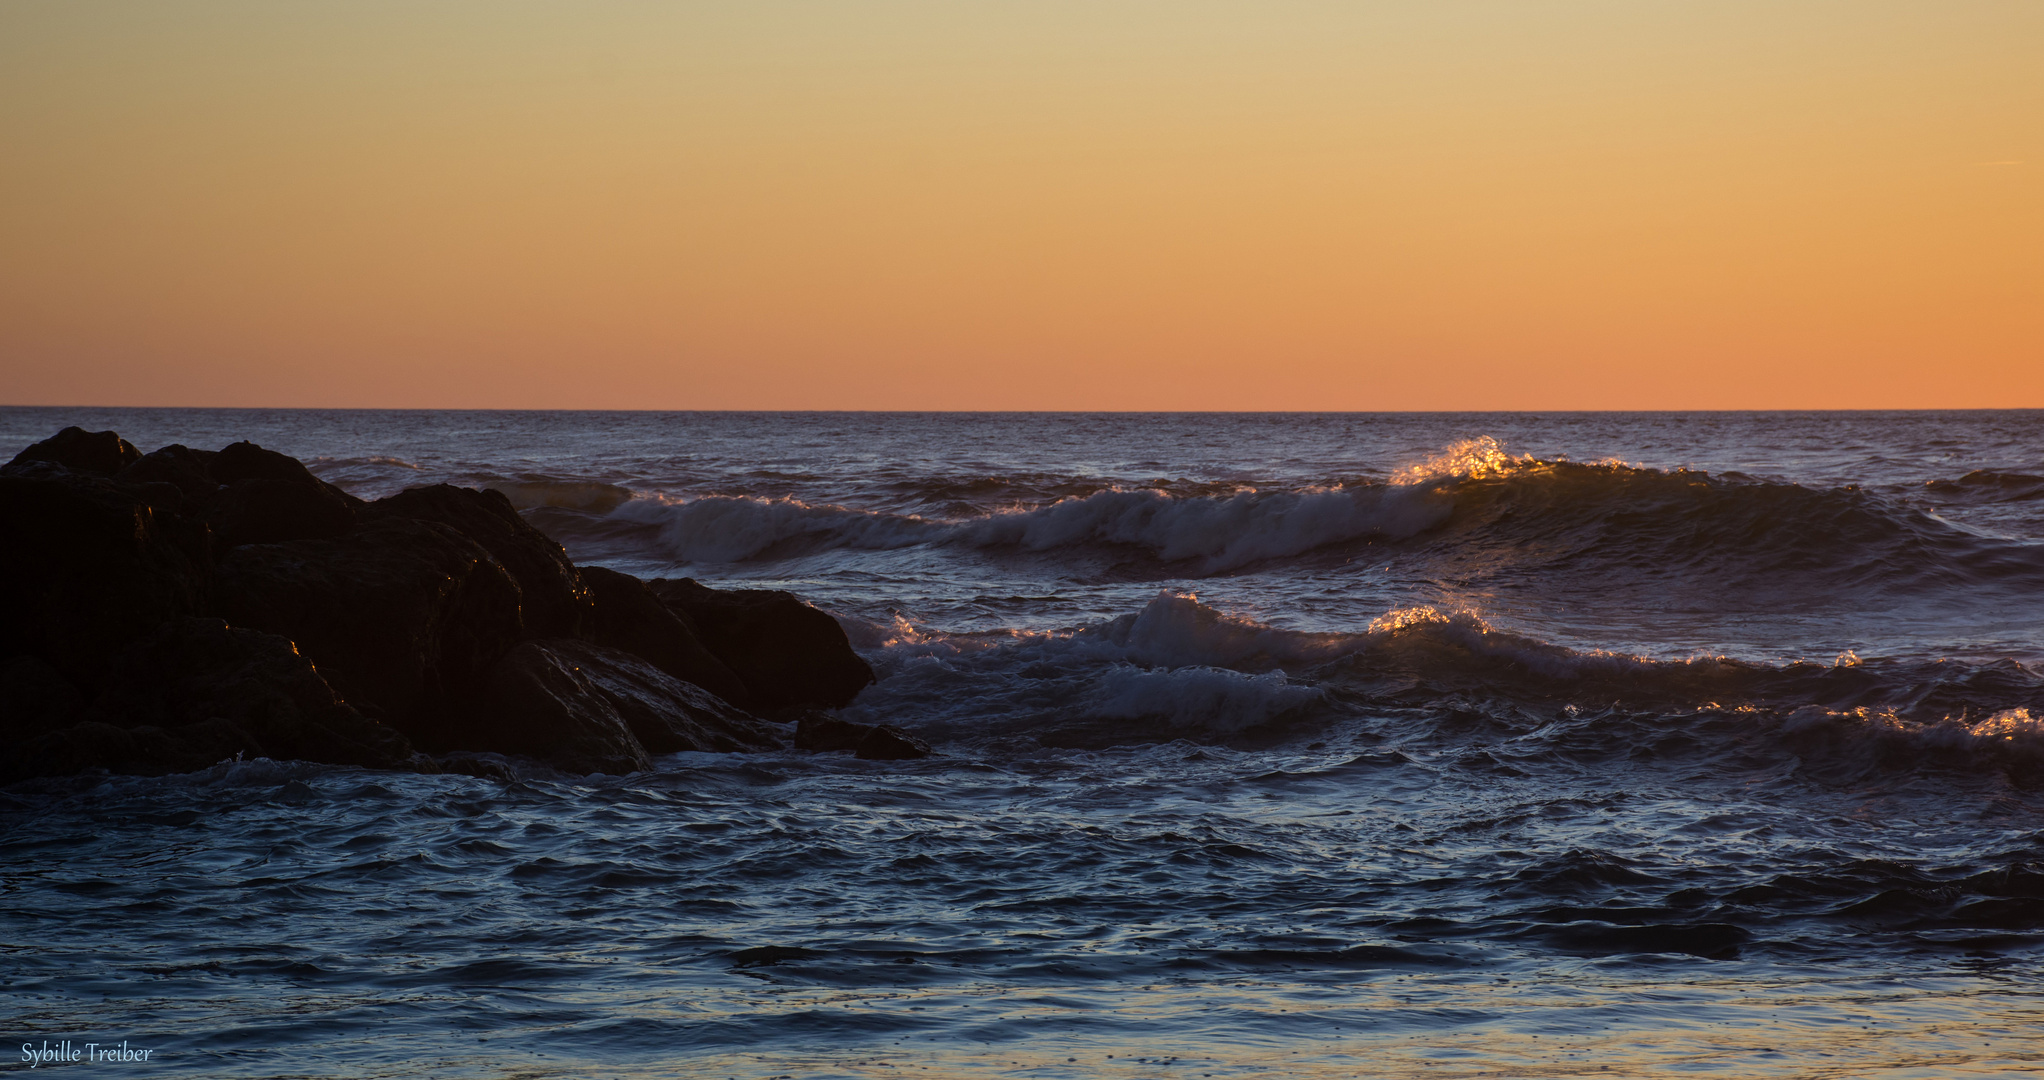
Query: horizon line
x,y
1033,412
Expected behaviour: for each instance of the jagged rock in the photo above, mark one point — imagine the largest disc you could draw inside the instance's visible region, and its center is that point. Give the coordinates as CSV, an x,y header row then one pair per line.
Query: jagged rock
x,y
35,699
269,498
588,708
87,565
181,467
265,511
402,616
788,654
540,703
197,691
353,632
553,598
247,461
197,669
628,616
102,453
90,745
823,733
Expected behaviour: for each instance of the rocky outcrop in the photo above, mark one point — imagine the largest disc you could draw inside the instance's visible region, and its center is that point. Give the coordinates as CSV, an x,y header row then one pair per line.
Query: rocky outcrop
x,y
628,616
181,468
162,612
88,565
193,692
552,599
540,703
407,615
588,708
787,654
100,453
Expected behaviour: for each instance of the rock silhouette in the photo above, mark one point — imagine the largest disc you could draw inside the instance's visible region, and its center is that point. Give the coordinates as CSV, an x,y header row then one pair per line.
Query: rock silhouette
x,y
788,654
165,611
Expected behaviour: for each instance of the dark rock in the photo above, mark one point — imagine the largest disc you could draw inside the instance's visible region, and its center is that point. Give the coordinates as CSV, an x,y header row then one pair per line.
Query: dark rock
x,y
247,461
273,511
823,733
267,497
553,599
181,467
628,616
890,743
259,692
666,714
540,703
35,699
567,702
89,745
787,653
402,616
87,565
102,453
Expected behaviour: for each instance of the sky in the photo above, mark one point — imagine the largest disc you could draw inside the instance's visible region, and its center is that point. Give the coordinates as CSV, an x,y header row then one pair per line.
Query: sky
x,y
1041,204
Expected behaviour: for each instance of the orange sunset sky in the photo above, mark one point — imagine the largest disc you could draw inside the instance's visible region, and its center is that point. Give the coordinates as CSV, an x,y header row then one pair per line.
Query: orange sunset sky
x,y
982,204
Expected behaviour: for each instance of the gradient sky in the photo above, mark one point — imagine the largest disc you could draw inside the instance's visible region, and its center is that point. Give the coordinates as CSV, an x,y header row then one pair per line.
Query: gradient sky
x,y
1401,204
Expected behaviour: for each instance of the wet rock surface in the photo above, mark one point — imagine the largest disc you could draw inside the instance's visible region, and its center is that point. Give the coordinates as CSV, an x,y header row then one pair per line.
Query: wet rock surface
x,y
788,654
193,692
823,733
594,709
408,615
103,453
88,565
166,611
630,617
552,598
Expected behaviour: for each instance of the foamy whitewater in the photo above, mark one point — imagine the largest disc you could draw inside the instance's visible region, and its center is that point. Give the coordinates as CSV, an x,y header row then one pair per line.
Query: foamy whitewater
x,y
1270,745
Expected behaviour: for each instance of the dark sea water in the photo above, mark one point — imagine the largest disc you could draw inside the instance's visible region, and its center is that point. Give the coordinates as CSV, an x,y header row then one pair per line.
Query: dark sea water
x,y
1271,746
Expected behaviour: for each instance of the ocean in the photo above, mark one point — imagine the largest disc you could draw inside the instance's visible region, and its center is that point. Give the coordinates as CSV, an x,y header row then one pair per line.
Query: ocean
x,y
1270,745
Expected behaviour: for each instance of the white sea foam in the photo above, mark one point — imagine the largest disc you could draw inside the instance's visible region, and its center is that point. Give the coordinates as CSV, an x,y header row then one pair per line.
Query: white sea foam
x,y
1204,698
1215,532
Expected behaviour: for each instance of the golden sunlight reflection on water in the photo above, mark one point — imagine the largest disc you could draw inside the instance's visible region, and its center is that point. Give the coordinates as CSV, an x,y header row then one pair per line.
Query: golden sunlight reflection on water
x,y
1435,1027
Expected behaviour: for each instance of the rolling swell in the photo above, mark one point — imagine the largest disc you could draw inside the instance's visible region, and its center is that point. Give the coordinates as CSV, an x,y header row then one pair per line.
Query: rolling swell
x,y
1472,517
1566,516
1181,669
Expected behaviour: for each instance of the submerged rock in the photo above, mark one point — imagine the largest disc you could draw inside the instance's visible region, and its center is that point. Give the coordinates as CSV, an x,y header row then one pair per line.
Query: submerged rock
x,y
788,654
823,733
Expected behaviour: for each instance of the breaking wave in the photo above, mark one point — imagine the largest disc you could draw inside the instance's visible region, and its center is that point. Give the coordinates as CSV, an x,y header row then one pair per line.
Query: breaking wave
x,y
1474,505
1180,668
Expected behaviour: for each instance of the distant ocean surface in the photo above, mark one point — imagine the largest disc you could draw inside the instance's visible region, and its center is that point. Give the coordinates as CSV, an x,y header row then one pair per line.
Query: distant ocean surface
x,y
1271,745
